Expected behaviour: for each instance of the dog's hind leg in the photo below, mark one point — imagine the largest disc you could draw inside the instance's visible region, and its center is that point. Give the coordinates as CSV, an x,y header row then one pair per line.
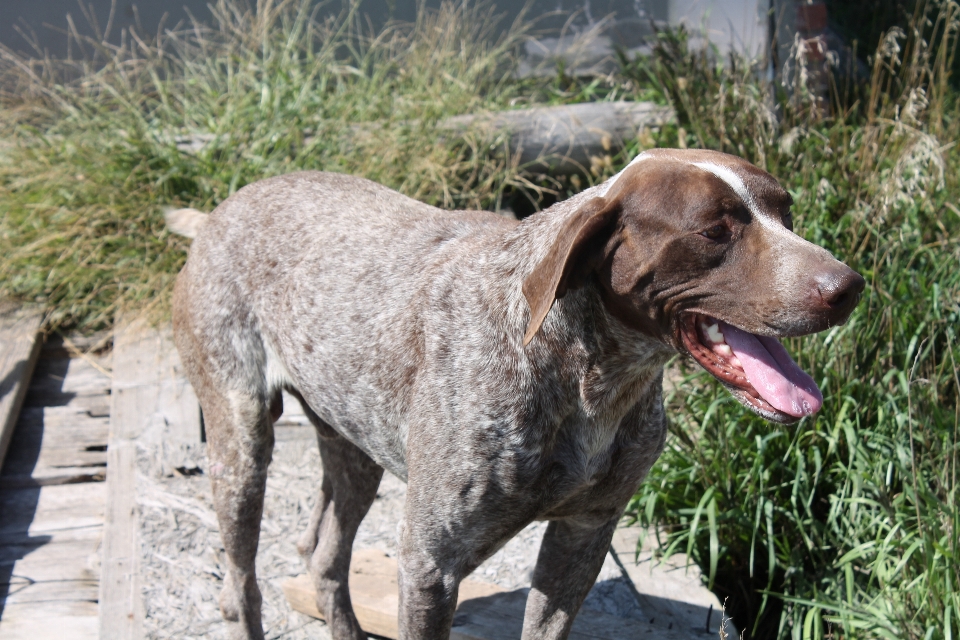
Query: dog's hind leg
x,y
224,362
240,445
348,488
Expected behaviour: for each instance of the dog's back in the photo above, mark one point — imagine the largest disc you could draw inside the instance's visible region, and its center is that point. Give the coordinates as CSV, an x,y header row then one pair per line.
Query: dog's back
x,y
334,270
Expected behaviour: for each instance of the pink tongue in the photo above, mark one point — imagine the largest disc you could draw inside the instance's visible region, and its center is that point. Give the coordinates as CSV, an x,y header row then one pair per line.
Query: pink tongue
x,y
773,373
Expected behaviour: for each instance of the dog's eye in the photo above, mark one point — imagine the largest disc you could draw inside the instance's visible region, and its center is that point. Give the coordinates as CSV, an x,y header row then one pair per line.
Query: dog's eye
x,y
715,232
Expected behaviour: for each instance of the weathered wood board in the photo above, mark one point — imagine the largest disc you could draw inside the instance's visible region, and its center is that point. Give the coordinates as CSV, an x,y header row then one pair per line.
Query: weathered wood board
x,y
19,349
52,503
671,593
484,611
56,445
151,405
49,540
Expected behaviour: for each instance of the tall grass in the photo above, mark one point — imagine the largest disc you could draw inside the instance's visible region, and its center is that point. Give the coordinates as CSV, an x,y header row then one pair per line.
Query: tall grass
x,y
94,146
848,524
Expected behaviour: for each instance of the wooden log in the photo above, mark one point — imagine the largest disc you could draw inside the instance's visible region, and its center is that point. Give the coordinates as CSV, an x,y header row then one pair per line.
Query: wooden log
x,y
373,591
560,139
563,139
19,349
484,611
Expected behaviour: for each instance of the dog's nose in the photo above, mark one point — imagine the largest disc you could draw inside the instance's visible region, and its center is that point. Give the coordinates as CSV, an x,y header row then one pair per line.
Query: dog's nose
x,y
840,291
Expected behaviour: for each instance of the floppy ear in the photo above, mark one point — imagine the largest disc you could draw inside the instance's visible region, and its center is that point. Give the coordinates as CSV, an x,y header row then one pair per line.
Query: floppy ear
x,y
552,276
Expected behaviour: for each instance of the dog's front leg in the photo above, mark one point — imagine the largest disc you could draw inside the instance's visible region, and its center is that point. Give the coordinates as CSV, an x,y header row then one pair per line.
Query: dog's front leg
x,y
428,578
446,532
570,558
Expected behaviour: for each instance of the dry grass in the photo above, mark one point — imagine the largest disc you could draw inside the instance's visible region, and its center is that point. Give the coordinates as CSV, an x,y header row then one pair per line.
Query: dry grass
x,y
95,147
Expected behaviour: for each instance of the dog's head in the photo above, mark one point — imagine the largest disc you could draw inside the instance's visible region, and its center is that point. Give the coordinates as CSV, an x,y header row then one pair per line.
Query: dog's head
x,y
696,249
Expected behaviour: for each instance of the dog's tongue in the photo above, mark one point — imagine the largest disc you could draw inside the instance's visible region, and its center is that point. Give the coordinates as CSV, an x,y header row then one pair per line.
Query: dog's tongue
x,y
773,373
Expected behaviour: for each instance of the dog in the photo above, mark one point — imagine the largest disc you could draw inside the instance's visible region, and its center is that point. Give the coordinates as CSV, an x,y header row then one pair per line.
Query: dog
x,y
507,371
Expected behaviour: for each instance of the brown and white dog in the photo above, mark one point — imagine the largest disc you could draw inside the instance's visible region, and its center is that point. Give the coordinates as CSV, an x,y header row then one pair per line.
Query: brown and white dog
x,y
508,371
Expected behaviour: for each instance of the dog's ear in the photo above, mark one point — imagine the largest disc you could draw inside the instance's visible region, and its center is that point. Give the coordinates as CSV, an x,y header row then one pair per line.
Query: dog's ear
x,y
563,267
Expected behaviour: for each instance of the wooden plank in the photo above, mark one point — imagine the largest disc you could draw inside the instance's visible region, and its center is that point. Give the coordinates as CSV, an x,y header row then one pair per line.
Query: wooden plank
x,y
121,603
670,592
56,445
45,511
52,477
152,404
51,527
373,591
68,557
19,350
134,392
49,539
25,622
152,401
60,381
484,611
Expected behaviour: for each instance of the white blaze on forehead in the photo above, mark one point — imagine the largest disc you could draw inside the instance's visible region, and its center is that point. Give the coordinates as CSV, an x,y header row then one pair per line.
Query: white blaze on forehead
x,y
726,174
732,179
740,188
605,187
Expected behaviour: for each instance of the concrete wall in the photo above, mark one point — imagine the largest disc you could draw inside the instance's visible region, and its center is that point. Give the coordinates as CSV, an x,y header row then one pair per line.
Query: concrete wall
x,y
47,19
742,24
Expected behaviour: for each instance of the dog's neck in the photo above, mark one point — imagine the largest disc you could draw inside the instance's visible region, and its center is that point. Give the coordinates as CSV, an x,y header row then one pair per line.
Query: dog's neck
x,y
619,363
580,340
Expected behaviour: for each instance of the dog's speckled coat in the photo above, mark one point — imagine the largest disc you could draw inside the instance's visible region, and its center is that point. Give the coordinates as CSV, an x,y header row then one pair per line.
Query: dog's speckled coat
x,y
402,328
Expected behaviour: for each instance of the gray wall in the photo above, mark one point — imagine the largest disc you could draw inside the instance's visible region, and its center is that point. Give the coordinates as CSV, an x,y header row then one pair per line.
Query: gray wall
x,y
47,19
741,24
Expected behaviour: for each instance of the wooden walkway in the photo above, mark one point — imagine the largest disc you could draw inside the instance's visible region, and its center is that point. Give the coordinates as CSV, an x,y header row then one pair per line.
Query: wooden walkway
x,y
52,498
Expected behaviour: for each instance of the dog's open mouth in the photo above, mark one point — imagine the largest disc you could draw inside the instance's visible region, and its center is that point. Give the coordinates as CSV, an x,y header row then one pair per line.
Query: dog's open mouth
x,y
757,369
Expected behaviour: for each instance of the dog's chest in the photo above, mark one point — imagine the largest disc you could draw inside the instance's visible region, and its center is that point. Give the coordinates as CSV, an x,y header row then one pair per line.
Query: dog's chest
x,y
594,463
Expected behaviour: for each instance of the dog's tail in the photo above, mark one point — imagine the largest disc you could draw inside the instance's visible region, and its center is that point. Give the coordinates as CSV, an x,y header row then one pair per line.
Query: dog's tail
x,y
185,222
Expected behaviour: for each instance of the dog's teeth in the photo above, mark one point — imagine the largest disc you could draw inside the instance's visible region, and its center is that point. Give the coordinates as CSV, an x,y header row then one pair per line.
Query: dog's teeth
x,y
735,361
714,333
724,350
